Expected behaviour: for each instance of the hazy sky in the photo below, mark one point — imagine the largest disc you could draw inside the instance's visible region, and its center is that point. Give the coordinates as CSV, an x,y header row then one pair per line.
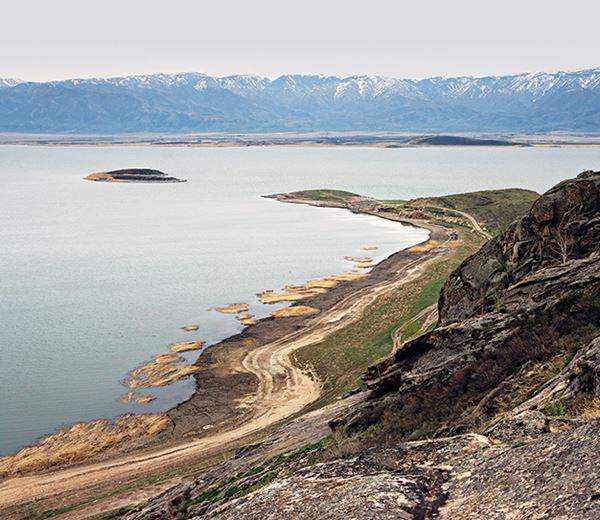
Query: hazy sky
x,y
43,40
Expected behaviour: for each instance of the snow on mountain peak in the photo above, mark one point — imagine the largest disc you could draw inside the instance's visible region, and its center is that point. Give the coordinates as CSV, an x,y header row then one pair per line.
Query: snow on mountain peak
x,y
9,82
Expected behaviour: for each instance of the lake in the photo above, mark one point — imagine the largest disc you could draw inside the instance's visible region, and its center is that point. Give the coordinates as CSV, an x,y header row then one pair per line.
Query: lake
x,y
96,278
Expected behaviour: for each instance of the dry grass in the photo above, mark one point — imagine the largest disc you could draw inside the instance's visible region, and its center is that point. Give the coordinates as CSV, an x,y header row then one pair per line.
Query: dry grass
x,y
427,246
82,441
190,328
246,319
363,260
363,266
184,346
297,295
101,176
323,283
162,371
586,406
347,277
133,397
297,310
233,308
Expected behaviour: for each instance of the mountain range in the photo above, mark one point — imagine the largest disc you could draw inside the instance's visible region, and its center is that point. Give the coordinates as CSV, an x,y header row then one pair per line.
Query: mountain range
x,y
194,102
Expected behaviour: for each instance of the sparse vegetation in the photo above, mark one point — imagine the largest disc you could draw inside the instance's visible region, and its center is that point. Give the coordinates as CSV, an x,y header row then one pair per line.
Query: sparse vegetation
x,y
326,195
340,359
547,340
258,476
495,210
110,515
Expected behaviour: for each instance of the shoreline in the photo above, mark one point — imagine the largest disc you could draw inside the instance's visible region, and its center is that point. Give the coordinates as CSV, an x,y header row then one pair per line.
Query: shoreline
x,y
246,385
382,140
214,362
286,324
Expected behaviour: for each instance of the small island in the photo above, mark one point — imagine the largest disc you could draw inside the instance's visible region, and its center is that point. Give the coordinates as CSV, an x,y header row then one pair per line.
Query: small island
x,y
132,175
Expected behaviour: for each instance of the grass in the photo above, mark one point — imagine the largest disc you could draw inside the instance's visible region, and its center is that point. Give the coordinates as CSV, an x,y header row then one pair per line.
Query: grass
x,y
115,513
52,513
82,441
495,210
341,358
325,195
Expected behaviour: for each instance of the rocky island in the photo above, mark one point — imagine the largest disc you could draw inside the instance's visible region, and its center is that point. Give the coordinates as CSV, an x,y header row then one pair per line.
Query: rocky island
x,y
132,175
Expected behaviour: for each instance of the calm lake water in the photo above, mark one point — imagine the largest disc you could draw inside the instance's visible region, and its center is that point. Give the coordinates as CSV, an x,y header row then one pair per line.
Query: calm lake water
x,y
97,278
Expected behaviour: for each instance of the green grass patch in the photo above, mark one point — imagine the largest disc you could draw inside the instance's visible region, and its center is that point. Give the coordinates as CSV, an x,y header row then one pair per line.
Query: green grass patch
x,y
116,513
51,513
341,358
325,195
211,494
493,209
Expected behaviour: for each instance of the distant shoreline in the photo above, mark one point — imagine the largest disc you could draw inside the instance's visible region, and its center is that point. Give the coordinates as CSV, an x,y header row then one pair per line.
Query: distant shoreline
x,y
383,140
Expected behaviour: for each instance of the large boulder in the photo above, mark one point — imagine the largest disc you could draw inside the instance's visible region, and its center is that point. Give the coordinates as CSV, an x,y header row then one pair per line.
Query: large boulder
x,y
562,225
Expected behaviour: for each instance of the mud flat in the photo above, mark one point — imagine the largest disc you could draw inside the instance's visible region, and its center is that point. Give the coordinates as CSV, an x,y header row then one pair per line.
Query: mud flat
x,y
323,283
363,260
246,319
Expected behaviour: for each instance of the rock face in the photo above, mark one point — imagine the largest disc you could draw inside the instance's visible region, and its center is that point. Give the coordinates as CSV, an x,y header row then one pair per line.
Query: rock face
x,y
562,225
370,486
512,316
533,467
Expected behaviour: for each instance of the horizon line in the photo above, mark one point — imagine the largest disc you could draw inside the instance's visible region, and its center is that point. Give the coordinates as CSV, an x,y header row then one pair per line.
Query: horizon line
x,y
274,78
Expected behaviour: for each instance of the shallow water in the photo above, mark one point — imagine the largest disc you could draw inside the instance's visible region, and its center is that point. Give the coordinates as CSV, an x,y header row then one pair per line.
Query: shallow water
x,y
97,278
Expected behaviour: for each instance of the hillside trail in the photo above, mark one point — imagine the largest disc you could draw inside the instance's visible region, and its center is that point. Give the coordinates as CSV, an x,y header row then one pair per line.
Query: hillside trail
x,y
470,218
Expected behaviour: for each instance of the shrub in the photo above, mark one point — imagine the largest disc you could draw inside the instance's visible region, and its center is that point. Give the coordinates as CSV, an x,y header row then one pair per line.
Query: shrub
x,y
555,408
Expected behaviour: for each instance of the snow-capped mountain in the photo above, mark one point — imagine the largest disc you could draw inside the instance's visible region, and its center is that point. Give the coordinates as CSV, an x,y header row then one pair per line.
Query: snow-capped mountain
x,y
9,82
194,102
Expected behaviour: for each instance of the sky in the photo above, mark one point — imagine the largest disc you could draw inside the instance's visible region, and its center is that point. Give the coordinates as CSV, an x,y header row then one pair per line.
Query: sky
x,y
46,40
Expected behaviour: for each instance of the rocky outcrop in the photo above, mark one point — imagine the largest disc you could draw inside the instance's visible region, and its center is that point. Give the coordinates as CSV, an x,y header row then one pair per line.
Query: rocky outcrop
x,y
535,467
512,316
372,486
562,225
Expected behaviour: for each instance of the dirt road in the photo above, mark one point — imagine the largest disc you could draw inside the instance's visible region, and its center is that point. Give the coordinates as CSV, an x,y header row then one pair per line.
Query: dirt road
x,y
472,220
